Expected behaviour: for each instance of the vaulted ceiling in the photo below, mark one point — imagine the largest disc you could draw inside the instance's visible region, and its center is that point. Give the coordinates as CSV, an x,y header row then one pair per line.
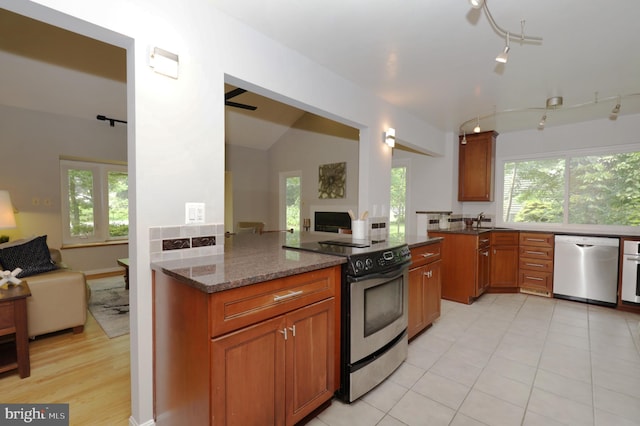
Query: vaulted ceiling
x,y
436,58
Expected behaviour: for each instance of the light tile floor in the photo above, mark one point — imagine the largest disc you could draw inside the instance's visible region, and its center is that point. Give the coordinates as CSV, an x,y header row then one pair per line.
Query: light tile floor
x,y
510,359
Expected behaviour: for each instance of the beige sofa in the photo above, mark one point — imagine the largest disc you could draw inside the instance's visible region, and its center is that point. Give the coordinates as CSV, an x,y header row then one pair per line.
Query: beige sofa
x,y
58,299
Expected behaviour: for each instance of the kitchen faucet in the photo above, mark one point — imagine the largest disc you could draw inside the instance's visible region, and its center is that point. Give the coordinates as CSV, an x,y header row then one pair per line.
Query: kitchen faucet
x,y
479,219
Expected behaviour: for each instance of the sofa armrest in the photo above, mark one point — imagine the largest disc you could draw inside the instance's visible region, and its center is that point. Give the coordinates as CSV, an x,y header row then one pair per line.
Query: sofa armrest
x,y
58,301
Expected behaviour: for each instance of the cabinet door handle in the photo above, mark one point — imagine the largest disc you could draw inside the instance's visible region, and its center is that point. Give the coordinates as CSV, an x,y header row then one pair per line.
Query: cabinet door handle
x,y
293,330
428,254
288,295
284,332
485,253
428,274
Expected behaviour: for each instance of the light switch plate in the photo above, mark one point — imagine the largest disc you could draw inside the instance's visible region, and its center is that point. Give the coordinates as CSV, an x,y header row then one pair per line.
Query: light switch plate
x,y
194,213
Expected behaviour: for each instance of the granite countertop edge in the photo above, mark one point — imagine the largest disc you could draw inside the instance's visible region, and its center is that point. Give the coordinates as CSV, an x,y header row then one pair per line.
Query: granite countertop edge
x,y
249,261
213,285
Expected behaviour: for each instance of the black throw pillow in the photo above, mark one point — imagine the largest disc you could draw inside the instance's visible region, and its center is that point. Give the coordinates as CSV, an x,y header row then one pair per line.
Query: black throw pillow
x,y
32,257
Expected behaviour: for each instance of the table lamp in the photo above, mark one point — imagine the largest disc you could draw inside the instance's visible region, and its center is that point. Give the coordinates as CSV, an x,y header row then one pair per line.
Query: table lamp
x,y
7,216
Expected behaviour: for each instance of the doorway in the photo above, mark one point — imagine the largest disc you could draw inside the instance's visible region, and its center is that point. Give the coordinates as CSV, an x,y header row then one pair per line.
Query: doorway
x,y
290,200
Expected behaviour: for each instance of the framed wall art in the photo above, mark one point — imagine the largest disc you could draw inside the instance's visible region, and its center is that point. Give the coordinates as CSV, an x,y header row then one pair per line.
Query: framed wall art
x,y
332,180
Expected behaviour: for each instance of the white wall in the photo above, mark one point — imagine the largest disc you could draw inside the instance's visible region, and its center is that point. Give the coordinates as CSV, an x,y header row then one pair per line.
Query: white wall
x,y
176,127
432,182
304,148
250,170
35,140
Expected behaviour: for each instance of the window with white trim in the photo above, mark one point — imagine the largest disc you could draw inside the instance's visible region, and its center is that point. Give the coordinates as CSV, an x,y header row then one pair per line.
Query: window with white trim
x,y
95,201
586,188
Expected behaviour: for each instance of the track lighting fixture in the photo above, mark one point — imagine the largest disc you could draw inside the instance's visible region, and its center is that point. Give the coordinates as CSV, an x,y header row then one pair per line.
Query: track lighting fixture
x,y
112,121
552,104
477,129
503,57
542,122
464,138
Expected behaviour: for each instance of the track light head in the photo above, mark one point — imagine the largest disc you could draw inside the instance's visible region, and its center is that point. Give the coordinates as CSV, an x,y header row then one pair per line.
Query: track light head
x,y
477,129
503,57
542,122
476,4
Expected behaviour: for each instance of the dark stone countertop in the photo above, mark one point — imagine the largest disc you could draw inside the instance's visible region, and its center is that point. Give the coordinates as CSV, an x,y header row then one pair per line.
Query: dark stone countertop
x,y
254,258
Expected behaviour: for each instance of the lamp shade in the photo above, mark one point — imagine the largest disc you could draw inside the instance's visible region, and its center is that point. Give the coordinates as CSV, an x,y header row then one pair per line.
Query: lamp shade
x,y
7,218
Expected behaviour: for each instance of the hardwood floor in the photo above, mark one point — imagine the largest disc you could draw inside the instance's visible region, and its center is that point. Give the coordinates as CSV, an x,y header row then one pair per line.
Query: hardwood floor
x,y
88,371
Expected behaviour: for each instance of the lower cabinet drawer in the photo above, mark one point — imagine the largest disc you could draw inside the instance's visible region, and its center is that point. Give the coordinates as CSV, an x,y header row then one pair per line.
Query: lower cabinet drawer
x,y
237,308
425,254
536,280
536,252
536,265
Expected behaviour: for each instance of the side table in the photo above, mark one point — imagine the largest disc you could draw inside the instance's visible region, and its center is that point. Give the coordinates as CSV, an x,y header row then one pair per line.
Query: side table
x,y
125,264
13,320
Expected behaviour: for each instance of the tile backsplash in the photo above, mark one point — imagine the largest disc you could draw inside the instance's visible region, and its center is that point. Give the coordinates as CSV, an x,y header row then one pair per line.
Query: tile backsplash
x,y
185,241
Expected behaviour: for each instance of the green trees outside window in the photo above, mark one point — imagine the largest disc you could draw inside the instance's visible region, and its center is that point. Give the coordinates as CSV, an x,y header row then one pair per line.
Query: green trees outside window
x,y
579,189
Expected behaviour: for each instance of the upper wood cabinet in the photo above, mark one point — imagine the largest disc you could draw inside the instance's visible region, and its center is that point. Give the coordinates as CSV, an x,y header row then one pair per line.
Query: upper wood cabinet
x,y
476,166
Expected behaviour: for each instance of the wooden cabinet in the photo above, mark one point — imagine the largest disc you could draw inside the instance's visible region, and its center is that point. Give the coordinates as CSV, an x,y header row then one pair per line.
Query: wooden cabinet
x,y
465,265
283,366
482,279
536,263
424,287
260,354
14,342
504,261
476,166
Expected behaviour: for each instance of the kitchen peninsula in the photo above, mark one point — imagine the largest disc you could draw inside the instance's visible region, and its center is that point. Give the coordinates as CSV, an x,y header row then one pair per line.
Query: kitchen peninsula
x,y
251,335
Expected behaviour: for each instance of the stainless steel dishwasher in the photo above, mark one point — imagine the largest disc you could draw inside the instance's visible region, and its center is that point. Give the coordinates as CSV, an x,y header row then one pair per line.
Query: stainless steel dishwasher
x,y
586,269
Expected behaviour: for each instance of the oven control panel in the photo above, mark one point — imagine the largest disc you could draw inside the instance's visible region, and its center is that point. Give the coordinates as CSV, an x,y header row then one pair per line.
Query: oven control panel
x,y
378,261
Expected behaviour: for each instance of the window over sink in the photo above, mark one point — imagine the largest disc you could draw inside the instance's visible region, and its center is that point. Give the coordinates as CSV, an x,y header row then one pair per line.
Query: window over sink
x,y
586,188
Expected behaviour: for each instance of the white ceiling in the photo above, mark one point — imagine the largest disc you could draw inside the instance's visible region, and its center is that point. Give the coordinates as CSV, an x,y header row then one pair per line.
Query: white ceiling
x,y
435,58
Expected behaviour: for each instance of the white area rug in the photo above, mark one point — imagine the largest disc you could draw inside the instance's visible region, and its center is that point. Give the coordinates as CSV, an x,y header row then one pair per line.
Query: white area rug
x,y
109,305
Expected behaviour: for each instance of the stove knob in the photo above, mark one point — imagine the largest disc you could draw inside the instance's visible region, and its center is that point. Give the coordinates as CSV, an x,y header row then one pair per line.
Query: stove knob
x,y
368,263
359,265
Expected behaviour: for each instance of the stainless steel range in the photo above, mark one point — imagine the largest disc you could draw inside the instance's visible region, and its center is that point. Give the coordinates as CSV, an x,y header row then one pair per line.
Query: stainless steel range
x,y
374,307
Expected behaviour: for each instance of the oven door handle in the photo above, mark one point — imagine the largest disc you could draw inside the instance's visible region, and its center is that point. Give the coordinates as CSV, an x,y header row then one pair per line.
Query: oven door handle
x,y
396,272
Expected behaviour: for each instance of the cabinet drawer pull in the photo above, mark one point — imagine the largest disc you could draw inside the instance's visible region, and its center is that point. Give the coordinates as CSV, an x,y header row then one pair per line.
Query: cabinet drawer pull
x,y
534,278
288,295
538,240
428,254
537,265
535,252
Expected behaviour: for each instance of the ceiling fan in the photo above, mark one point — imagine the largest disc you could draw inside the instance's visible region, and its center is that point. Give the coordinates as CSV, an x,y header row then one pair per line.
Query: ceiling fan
x,y
232,94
